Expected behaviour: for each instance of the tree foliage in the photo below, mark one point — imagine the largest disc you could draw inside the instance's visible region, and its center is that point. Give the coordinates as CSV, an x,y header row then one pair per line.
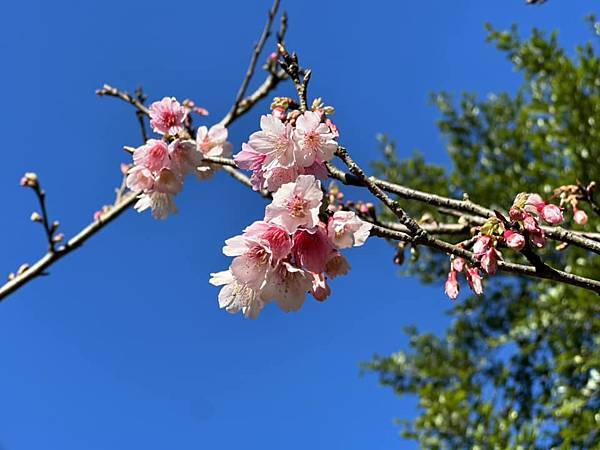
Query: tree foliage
x,y
519,367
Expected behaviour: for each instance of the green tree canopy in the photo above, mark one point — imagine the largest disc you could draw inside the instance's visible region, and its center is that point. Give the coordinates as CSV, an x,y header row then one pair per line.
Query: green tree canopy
x,y
519,367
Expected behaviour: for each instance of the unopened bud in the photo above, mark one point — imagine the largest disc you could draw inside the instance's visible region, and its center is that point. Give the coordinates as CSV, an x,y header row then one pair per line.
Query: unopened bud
x,y
580,217
35,217
30,179
58,238
22,268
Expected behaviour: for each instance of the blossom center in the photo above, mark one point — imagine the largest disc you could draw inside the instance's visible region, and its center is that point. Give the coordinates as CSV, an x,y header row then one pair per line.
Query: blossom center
x,y
312,141
259,255
297,207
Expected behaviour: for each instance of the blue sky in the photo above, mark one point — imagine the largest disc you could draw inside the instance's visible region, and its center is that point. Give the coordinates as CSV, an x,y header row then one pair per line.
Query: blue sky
x,y
123,345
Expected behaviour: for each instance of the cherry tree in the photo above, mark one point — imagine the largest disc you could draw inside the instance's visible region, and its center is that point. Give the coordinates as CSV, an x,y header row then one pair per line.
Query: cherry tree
x,y
296,160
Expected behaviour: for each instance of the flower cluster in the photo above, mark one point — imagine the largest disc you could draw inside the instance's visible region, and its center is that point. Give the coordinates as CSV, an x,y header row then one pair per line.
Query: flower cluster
x,y
160,165
289,253
525,215
290,143
570,196
457,265
526,212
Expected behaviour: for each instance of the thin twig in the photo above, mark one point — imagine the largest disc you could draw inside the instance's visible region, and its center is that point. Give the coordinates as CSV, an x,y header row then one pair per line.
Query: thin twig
x,y
258,48
54,255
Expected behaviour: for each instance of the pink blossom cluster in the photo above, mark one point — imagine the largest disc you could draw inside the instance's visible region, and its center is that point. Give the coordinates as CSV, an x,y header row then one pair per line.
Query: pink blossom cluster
x,y
160,165
526,212
289,144
289,253
570,196
457,265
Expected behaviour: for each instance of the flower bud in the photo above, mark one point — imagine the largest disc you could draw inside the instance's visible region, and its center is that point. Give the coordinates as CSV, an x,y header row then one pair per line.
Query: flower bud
x,y
451,287
474,280
551,214
30,179
580,217
58,237
458,264
514,240
35,217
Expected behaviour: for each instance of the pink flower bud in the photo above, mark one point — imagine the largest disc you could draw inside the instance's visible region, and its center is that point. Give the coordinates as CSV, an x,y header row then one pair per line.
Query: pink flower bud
x,y
458,264
489,260
514,240
481,245
474,280
534,203
451,287
516,214
551,214
538,238
580,217
531,224
279,113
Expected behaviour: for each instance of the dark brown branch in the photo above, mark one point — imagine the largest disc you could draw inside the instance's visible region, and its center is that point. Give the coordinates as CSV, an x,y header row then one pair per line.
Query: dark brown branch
x,y
465,206
393,205
123,95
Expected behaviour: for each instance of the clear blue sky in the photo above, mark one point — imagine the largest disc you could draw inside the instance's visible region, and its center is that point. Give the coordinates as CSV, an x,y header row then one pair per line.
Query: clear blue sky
x,y
123,347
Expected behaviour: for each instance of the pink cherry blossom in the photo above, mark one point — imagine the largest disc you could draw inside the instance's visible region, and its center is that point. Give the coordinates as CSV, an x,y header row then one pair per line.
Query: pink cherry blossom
x,y
160,203
249,159
489,260
551,214
318,169
167,116
235,296
580,217
287,285
275,141
277,238
451,287
139,179
314,138
213,142
296,204
474,280
514,240
153,155
185,157
345,229
168,182
312,249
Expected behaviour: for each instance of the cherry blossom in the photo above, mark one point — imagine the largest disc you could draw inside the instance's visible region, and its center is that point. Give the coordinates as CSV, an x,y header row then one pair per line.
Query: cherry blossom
x,y
345,229
235,296
288,254
296,204
167,116
212,142
314,139
275,142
